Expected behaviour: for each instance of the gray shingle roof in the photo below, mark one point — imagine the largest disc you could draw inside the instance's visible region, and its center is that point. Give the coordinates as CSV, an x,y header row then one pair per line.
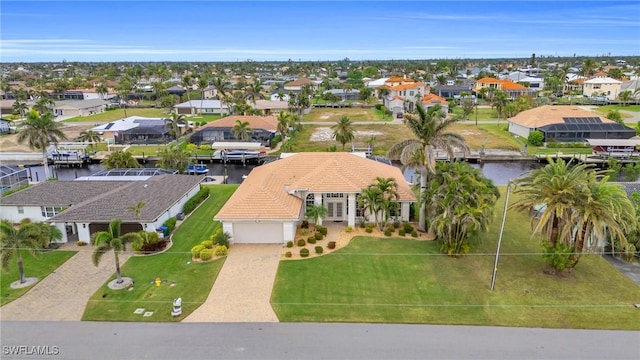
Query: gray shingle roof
x,y
158,192
61,193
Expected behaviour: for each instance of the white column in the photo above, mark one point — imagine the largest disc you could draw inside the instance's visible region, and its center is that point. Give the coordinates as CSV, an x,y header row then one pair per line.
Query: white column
x,y
351,210
83,233
317,200
406,208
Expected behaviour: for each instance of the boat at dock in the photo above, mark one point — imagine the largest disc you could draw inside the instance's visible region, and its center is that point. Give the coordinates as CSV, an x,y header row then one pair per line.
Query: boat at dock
x,y
197,169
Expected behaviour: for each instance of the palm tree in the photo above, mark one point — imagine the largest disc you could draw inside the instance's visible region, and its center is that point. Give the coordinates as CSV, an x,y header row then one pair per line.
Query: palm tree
x,y
187,81
120,159
500,101
254,91
89,136
174,123
29,237
370,200
389,190
105,241
588,66
317,213
20,107
174,157
625,97
102,89
137,208
241,130
203,83
343,131
284,121
429,127
575,201
44,105
40,131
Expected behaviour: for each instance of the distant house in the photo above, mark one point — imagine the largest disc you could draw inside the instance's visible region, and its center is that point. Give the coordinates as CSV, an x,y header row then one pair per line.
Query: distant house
x,y
297,84
269,107
409,91
202,107
633,86
81,208
431,100
602,86
72,108
263,129
453,88
512,89
567,124
342,94
135,130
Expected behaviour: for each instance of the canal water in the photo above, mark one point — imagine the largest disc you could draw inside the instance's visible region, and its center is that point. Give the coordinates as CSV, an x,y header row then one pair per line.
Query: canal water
x,y
500,172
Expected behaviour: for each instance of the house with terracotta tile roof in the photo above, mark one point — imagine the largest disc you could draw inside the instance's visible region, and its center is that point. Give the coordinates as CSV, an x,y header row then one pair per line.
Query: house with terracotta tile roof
x,y
263,129
512,89
407,90
270,203
270,107
430,100
567,124
297,84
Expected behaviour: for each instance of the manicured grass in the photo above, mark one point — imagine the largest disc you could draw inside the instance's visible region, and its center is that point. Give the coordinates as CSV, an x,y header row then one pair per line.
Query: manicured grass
x,y
484,113
33,267
117,114
193,281
334,115
606,108
399,280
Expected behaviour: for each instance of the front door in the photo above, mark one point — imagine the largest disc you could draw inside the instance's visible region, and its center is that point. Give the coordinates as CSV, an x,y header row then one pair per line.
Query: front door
x,y
335,210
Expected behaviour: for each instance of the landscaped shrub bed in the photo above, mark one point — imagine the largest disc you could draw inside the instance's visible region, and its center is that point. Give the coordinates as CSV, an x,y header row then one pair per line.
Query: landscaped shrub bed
x,y
301,242
195,200
304,252
318,249
170,224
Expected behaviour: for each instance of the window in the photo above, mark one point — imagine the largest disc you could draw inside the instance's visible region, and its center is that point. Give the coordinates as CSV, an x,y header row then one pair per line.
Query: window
x,y
310,201
359,207
20,209
410,93
396,210
334,195
50,211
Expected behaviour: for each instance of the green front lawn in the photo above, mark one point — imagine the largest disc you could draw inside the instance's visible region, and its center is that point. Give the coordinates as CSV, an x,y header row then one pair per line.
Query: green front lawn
x,y
193,281
400,280
33,267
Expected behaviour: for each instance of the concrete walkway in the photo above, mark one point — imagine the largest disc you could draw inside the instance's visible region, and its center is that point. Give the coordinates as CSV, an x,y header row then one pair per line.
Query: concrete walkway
x,y
63,295
242,291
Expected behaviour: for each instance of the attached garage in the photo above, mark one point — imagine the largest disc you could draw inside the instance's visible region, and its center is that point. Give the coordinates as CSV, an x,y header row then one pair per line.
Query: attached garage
x,y
257,233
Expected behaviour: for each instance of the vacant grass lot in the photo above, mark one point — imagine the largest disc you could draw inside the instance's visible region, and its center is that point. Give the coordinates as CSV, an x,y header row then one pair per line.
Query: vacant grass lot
x,y
117,114
193,280
33,267
399,280
334,115
389,134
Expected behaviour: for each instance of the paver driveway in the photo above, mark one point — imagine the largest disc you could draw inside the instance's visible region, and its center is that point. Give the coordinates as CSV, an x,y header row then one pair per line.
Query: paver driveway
x,y
63,295
242,291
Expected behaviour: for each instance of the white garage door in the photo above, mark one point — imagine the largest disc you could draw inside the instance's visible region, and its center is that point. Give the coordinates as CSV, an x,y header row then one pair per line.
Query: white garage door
x,y
257,233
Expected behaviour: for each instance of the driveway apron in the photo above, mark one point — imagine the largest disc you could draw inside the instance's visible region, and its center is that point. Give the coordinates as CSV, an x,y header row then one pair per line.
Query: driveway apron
x,y
242,291
63,295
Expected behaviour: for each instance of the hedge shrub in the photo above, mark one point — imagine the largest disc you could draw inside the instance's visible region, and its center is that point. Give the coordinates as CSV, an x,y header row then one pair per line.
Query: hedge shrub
x,y
414,233
287,254
318,249
331,245
289,243
170,224
408,228
401,232
311,240
304,252
388,232
206,254
221,250
195,200
274,142
195,251
319,236
208,244
322,230
301,242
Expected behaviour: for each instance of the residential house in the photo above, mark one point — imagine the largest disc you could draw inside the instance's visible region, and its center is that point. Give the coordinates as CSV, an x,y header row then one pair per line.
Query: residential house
x,y
263,129
343,94
202,107
431,100
81,208
453,89
72,108
269,107
270,203
602,86
567,124
5,126
632,85
299,83
512,89
210,92
409,91
135,130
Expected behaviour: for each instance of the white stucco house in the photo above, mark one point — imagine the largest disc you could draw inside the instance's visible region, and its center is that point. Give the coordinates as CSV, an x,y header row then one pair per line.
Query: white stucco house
x,y
270,203
602,86
202,107
81,208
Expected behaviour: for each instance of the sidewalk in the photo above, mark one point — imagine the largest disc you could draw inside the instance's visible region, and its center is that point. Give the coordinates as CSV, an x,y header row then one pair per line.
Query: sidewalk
x,y
63,295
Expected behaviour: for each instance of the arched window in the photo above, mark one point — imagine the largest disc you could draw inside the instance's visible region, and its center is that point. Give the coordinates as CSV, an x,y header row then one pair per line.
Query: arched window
x,y
310,200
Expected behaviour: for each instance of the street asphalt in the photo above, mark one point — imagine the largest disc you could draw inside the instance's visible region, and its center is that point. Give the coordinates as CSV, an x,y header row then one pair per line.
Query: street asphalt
x,y
112,340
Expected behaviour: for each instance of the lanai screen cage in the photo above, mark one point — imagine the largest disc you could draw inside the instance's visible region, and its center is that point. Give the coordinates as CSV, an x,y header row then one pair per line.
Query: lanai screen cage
x,y
12,178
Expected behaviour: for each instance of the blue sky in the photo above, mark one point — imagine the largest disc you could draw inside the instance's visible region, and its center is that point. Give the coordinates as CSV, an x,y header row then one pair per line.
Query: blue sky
x,y
313,30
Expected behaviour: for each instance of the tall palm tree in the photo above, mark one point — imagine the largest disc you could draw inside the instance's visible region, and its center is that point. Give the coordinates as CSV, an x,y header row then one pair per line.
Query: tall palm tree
x,y
343,131
40,131
187,81
625,97
579,205
500,101
44,105
120,159
588,66
284,122
29,237
136,209
102,90
203,84
174,123
389,189
254,91
317,213
112,239
89,136
370,200
429,128
241,130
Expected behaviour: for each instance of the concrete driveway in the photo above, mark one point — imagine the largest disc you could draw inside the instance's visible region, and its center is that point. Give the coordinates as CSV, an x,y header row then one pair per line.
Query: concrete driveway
x,y
63,295
242,291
